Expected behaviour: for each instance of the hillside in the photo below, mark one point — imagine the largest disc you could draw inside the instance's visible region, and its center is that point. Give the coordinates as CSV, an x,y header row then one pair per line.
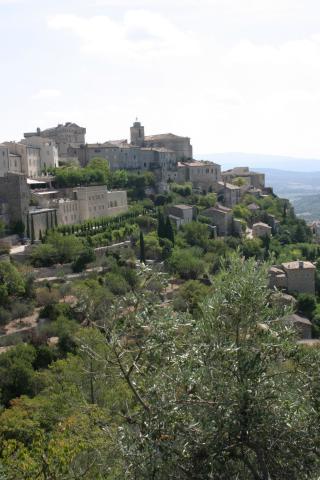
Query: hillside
x,y
302,188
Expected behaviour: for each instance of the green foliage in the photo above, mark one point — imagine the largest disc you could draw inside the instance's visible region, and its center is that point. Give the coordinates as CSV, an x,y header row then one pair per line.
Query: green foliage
x,y
96,173
142,255
169,231
152,246
187,263
12,283
161,225
16,373
208,200
189,297
116,283
82,261
184,189
196,234
306,304
57,249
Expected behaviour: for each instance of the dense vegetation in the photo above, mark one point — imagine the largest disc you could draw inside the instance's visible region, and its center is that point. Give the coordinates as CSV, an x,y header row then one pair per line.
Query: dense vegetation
x,y
145,392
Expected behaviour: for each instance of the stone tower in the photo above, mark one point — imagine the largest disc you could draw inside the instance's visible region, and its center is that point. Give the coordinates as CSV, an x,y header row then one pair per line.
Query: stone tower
x,y
137,134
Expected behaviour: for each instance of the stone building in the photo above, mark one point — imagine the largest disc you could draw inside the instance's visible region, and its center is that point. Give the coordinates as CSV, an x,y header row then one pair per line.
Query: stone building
x,y
302,325
65,136
222,218
250,178
181,146
160,161
181,214
203,175
40,220
295,277
9,162
26,158
49,157
14,197
230,194
260,230
76,205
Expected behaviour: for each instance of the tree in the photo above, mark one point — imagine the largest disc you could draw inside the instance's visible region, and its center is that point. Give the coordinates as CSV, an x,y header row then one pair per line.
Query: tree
x,y
237,403
142,249
196,234
161,225
189,297
187,263
169,230
16,373
12,283
306,304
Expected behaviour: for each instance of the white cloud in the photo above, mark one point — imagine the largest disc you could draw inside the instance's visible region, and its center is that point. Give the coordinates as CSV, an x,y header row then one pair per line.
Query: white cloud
x,y
139,34
47,93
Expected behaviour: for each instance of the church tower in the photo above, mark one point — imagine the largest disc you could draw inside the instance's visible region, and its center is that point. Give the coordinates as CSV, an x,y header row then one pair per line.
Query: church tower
x,y
137,134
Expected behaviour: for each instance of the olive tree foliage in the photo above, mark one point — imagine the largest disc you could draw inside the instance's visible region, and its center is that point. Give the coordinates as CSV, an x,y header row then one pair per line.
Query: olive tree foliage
x,y
228,396
155,394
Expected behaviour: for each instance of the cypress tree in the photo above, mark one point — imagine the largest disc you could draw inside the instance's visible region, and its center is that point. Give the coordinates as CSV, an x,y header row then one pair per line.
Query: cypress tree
x,y
142,249
28,226
169,230
161,226
32,230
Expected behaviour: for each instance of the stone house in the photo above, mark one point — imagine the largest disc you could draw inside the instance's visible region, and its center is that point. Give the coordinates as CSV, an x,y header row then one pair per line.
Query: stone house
x,y
49,157
203,175
251,179
76,205
295,277
181,214
14,197
26,159
222,218
302,325
260,230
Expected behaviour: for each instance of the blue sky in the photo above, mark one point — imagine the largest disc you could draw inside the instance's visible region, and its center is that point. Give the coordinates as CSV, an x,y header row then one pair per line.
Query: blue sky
x,y
234,75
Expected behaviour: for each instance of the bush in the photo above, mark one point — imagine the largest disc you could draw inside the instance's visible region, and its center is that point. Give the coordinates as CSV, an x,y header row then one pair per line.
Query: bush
x,y
189,296
116,283
186,263
85,257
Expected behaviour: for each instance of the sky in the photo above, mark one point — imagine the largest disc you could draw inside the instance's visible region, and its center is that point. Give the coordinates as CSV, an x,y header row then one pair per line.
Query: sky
x,y
234,75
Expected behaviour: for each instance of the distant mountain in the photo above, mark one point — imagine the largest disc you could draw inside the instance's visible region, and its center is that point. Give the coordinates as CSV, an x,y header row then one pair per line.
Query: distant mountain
x,y
229,160
293,178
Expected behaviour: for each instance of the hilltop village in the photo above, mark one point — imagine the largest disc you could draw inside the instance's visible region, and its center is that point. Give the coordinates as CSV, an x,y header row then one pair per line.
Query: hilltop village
x,y
31,194
146,297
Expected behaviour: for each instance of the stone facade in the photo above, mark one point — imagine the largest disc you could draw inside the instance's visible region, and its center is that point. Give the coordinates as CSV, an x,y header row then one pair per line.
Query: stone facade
x,y
76,205
24,159
202,175
251,179
302,325
49,157
160,161
39,221
181,214
181,146
9,162
97,201
295,277
14,197
65,136
222,218
260,230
